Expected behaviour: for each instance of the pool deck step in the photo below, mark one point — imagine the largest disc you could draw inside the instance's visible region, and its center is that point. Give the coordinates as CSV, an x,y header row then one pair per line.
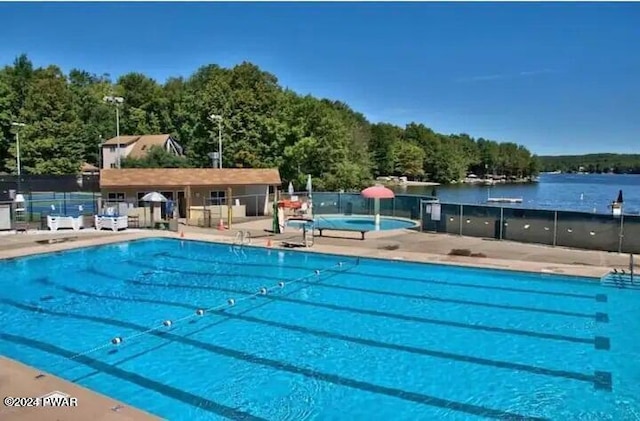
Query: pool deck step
x,y
19,380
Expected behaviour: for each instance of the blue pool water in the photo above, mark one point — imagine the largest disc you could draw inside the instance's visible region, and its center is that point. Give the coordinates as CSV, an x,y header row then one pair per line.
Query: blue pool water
x,y
360,223
368,339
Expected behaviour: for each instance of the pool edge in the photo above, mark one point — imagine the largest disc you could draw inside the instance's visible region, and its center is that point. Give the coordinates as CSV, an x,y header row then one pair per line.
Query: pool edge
x,y
25,380
594,273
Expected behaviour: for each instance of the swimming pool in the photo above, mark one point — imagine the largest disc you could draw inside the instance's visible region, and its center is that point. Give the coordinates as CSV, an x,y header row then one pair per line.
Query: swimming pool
x,y
365,339
360,223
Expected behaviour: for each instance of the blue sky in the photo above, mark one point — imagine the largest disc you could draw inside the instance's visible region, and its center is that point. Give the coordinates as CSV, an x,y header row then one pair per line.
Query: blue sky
x,y
558,78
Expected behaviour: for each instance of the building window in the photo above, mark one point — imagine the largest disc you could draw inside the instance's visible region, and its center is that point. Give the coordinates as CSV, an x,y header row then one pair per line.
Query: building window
x,y
140,196
115,197
217,198
113,165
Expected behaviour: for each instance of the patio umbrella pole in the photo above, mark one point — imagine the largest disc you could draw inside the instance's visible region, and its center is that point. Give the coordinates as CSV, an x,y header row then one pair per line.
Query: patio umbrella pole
x,y
376,211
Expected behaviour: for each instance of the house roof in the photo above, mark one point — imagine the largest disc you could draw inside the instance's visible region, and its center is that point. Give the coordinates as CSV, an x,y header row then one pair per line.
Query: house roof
x,y
86,167
179,177
150,139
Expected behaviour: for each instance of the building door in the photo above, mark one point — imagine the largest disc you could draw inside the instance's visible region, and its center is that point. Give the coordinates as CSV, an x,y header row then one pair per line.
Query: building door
x,y
182,204
169,195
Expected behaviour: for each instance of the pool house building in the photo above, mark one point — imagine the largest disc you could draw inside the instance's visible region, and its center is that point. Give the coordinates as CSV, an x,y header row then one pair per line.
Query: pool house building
x,y
198,193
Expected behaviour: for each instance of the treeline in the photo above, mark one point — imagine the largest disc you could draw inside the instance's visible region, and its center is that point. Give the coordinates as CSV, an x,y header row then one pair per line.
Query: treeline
x,y
265,125
593,163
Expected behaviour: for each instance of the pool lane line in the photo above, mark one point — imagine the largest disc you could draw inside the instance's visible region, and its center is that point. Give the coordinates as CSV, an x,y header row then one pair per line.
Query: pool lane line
x,y
224,317
596,297
599,343
277,365
599,379
230,303
131,377
383,345
598,317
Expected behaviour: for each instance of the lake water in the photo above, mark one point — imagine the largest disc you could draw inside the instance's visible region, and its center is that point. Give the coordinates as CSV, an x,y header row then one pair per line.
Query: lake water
x,y
580,192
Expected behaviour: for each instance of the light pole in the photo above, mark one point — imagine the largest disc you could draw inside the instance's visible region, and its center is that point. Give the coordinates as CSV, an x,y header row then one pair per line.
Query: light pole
x,y
218,118
116,101
14,124
18,126
100,151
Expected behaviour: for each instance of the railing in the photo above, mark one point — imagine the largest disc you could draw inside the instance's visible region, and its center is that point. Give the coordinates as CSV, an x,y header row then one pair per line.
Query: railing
x,y
403,206
33,212
551,227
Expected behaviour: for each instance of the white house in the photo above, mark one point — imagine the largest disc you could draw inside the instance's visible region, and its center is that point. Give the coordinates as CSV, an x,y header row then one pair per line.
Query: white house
x,y
136,147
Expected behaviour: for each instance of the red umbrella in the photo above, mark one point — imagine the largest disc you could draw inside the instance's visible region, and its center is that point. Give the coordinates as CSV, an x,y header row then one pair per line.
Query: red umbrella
x,y
377,192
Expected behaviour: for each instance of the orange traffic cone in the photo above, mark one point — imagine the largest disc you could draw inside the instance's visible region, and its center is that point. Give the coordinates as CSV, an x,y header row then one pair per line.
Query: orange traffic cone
x,y
181,234
268,242
221,225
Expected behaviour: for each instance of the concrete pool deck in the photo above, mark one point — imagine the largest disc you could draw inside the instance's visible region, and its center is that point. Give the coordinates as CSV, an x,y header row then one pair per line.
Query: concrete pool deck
x,y
19,380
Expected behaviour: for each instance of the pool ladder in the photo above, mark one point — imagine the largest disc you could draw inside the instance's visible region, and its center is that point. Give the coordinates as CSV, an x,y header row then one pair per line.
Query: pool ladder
x,y
242,238
622,278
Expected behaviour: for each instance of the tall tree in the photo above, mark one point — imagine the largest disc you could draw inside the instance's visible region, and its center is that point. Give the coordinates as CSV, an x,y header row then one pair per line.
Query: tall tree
x,y
263,125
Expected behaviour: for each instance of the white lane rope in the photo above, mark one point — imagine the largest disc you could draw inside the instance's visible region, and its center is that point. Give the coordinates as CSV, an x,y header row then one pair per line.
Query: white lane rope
x,y
202,311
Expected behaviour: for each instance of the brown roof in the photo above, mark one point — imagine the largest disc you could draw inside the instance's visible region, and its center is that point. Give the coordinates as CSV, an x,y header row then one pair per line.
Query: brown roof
x,y
143,144
86,167
150,139
179,177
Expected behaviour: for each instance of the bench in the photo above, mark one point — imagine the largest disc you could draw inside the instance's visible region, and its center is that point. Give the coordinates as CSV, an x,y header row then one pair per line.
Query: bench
x,y
161,225
341,229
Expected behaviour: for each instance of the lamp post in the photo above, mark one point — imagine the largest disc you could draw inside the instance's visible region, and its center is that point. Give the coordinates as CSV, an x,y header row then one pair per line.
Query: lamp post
x,y
18,165
18,144
116,101
218,118
100,151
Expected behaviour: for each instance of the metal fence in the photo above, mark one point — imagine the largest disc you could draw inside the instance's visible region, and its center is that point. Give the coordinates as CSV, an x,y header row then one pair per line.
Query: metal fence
x,y
551,227
403,206
32,214
87,183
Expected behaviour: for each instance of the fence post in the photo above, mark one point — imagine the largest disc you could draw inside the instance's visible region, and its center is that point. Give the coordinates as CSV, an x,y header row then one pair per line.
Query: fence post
x,y
230,207
461,215
30,209
501,223
621,232
421,217
393,207
555,228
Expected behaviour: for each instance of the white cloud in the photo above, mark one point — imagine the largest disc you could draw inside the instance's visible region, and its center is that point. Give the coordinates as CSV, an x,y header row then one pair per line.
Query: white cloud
x,y
500,76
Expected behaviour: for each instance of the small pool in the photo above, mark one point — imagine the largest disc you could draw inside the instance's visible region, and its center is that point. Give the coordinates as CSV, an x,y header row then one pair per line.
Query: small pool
x,y
361,223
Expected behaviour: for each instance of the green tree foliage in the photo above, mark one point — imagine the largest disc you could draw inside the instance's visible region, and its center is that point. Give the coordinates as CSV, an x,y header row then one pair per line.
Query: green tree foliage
x,y
156,157
592,163
264,125
408,159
